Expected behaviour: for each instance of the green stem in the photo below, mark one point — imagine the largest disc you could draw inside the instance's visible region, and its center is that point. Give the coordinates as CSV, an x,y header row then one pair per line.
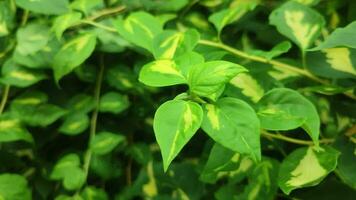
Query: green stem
x,y
4,98
274,63
94,117
24,18
293,140
106,12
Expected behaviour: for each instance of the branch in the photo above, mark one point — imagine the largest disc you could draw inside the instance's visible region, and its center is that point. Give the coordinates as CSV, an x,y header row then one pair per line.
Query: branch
x,y
94,117
274,63
293,140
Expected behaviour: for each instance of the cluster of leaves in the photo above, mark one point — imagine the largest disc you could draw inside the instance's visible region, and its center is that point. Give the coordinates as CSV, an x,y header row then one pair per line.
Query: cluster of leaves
x,y
126,99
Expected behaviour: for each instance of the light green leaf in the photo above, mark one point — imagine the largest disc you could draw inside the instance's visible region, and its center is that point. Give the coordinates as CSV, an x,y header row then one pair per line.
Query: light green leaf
x,y
66,162
341,37
42,58
286,109
298,22
308,2
105,142
187,61
139,28
32,38
62,22
236,10
14,187
69,170
72,54
48,7
81,103
210,77
306,167
113,102
12,130
234,124
16,75
248,85
74,124
41,115
161,73
74,178
169,44
221,162
175,123
93,193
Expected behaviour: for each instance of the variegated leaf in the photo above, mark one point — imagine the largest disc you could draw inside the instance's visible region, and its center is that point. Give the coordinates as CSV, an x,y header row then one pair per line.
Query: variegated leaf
x,y
175,123
306,167
298,22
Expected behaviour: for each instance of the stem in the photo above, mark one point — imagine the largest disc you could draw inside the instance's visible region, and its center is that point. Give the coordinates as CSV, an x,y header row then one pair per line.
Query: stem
x,y
274,63
107,11
94,117
304,61
24,18
5,96
293,140
108,28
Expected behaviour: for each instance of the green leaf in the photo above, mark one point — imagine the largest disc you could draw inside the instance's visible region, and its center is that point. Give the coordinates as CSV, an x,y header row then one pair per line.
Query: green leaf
x,y
277,50
61,167
340,37
262,182
32,38
236,10
105,142
42,58
48,7
93,193
14,187
86,6
298,22
73,53
68,169
74,124
31,108
234,124
249,86
113,102
333,63
187,61
139,28
346,164
81,103
286,109
220,162
161,73
306,167
74,178
175,123
16,75
169,43
11,130
7,16
62,22
210,77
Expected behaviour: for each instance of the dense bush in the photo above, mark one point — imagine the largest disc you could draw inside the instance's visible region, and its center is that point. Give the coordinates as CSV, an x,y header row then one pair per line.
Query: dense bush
x,y
177,99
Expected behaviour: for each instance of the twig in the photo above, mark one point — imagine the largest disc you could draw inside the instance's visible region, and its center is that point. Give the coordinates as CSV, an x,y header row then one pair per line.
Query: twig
x,y
293,140
5,96
94,117
274,63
